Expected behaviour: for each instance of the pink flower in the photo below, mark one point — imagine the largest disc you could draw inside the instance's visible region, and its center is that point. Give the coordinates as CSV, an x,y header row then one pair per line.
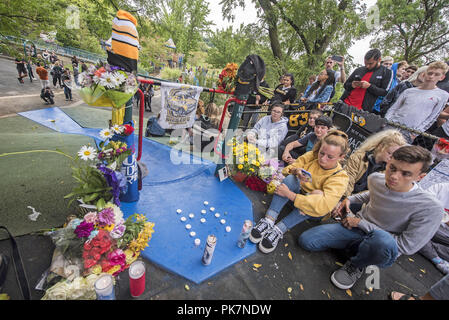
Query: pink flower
x,y
106,217
117,257
91,217
118,231
84,229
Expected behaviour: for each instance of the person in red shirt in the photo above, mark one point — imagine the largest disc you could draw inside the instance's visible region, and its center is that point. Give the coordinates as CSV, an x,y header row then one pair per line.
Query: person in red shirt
x,y
367,83
43,75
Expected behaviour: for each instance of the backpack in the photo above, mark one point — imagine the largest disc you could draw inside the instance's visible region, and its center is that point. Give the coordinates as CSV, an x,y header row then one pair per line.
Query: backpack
x,y
153,128
249,75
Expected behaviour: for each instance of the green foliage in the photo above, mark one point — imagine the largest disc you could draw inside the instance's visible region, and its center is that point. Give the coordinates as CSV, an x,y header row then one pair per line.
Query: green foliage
x,y
413,30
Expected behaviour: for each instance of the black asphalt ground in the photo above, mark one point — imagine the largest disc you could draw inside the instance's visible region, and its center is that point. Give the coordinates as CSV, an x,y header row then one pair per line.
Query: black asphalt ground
x,y
289,273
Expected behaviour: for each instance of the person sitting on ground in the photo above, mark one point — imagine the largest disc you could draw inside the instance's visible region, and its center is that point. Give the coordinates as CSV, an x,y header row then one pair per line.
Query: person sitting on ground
x,y
397,217
414,81
439,291
372,156
437,249
47,95
301,132
269,131
321,90
322,126
312,198
418,108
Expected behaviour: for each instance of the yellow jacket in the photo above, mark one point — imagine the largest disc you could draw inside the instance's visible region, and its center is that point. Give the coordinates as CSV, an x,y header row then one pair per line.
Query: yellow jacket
x,y
332,182
356,166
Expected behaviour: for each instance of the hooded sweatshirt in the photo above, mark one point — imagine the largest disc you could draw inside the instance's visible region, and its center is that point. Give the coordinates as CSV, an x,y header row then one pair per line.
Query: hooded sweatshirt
x,y
270,134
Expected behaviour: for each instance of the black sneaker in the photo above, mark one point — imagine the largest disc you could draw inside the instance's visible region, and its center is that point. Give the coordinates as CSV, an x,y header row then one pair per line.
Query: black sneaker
x,y
345,277
271,240
260,229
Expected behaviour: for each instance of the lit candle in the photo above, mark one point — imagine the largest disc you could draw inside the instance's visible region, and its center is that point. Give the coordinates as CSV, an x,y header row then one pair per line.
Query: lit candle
x,y
104,287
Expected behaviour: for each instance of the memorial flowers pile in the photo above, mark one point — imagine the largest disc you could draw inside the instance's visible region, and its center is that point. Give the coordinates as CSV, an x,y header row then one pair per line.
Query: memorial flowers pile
x,y
101,242
226,79
97,172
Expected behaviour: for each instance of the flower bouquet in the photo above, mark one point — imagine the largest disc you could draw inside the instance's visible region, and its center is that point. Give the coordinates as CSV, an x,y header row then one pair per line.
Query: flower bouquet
x,y
105,85
102,242
271,174
227,77
440,149
98,171
247,158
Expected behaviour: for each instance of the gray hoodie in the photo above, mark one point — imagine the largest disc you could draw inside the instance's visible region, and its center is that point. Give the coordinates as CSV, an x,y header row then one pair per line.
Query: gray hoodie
x,y
270,134
411,217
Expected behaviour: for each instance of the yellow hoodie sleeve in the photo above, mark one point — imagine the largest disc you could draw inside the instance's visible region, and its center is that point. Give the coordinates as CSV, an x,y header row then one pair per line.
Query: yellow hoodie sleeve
x,y
299,163
316,205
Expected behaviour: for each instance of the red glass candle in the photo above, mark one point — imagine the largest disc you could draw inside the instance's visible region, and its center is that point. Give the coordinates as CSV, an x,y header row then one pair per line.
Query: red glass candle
x,y
137,278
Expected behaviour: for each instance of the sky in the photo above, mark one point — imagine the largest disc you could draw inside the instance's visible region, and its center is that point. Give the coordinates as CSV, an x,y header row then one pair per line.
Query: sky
x,y
248,15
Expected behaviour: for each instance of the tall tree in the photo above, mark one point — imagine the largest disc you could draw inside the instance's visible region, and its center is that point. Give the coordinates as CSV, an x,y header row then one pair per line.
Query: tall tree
x,y
414,30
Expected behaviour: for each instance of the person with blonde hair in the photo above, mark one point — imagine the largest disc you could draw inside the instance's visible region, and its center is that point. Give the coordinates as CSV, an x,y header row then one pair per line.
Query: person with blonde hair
x,y
416,79
314,183
371,156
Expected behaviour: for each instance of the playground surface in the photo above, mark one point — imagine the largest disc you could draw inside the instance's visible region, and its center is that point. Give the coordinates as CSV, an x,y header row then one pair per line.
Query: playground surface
x,y
40,180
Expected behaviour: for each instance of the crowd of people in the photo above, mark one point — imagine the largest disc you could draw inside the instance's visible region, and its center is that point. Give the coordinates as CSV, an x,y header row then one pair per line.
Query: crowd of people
x,y
48,63
379,209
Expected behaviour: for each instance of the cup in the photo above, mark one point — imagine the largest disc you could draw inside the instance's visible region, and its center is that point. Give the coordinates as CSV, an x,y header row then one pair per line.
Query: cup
x,y
136,278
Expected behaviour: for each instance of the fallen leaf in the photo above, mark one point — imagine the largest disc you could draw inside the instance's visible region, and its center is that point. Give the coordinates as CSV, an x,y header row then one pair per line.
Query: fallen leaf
x,y
264,202
328,295
349,293
323,292
339,263
255,269
289,289
290,256
422,270
301,287
286,245
370,289
187,287
256,265
410,259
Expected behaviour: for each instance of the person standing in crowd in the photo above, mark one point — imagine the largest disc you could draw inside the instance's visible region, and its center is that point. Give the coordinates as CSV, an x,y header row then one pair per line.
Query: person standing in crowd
x,y
148,94
321,90
313,198
43,75
387,62
56,73
409,71
339,75
83,67
30,70
414,81
21,69
418,108
291,151
46,55
398,217
367,83
53,57
67,82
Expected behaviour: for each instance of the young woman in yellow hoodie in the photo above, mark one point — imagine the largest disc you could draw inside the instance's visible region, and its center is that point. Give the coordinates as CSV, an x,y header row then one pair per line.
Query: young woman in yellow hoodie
x,y
312,199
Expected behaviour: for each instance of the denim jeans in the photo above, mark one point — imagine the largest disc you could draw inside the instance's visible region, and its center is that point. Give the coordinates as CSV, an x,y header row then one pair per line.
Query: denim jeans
x,y
377,247
278,202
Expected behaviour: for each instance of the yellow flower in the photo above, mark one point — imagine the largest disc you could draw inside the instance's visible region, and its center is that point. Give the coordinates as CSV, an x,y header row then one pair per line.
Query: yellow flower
x,y
96,269
251,169
240,166
241,160
108,228
114,269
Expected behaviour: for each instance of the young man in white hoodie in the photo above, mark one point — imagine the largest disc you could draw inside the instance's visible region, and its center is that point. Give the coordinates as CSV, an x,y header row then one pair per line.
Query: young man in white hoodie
x,y
269,131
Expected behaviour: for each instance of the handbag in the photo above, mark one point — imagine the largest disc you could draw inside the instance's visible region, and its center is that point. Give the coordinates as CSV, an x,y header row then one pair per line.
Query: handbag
x,y
18,265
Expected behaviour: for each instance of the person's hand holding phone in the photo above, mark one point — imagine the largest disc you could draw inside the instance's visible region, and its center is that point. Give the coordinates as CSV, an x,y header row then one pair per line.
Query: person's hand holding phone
x,y
364,84
341,210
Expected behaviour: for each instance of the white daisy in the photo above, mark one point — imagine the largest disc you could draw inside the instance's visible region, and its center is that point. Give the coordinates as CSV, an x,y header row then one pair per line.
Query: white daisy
x,y
87,153
120,78
108,80
118,129
106,134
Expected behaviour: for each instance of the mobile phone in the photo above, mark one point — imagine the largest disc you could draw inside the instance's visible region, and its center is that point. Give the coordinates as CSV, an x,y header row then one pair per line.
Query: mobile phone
x,y
357,77
337,58
307,174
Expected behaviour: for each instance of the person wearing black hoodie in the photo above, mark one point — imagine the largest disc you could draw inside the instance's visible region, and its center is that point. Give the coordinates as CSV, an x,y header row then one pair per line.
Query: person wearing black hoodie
x,y
367,83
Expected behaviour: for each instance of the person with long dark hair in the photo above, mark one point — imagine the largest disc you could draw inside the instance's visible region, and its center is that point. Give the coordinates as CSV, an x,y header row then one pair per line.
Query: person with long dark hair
x,y
321,90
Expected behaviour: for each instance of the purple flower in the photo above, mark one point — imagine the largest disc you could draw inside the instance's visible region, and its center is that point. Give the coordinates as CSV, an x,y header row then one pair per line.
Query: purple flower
x,y
112,181
106,217
84,229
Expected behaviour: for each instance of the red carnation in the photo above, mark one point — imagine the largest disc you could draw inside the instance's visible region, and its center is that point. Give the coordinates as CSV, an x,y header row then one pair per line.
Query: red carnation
x,y
128,129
